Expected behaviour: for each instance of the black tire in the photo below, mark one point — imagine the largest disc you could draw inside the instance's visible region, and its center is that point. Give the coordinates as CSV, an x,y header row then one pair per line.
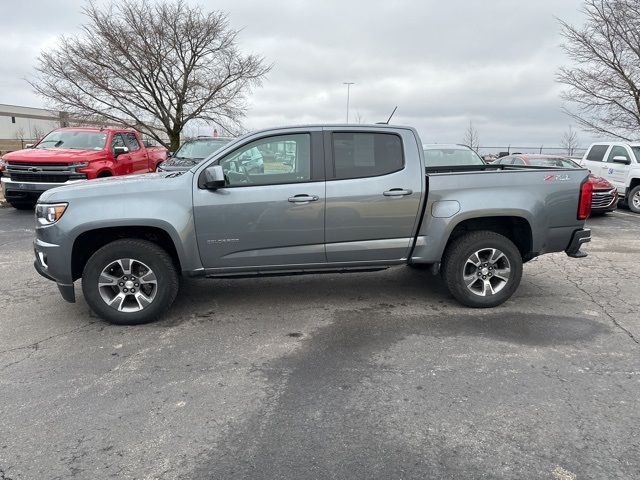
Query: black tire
x,y
142,251
634,206
454,266
23,205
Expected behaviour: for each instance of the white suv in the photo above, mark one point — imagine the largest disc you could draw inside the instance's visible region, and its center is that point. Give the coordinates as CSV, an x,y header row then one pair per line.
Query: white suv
x,y
620,164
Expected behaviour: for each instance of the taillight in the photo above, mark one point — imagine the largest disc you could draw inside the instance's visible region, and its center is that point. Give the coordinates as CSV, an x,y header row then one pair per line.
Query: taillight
x,y
584,208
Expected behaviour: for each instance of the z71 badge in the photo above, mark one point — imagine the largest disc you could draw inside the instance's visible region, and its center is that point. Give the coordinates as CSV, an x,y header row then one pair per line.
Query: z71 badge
x,y
561,177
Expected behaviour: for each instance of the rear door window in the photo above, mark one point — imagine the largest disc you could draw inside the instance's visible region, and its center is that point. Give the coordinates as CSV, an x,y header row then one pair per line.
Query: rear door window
x,y
597,153
358,155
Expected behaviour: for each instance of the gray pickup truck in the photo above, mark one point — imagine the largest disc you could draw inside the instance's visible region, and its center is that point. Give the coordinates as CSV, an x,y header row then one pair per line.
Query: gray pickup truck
x,y
329,199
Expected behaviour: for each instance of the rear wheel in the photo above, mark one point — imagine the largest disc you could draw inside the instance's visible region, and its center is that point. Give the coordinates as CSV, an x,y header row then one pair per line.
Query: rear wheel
x,y
634,199
129,282
482,269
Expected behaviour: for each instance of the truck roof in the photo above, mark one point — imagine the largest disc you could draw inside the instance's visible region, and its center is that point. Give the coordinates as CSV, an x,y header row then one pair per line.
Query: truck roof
x,y
621,142
97,129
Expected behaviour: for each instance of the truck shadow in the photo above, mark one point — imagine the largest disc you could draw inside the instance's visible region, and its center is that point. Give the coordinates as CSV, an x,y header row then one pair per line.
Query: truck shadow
x,y
375,302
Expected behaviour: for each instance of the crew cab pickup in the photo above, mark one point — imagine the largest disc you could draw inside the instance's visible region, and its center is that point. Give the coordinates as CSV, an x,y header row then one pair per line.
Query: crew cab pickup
x,y
619,163
329,199
70,155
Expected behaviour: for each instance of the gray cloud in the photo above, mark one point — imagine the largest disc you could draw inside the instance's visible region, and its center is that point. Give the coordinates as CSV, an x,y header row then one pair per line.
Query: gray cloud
x,y
442,63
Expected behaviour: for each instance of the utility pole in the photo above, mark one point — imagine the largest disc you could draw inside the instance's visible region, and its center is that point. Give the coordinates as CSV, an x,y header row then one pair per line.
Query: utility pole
x,y
348,84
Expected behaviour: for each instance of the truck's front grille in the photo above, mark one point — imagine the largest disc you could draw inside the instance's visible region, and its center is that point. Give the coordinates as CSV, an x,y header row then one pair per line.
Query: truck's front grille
x,y
603,199
42,172
38,177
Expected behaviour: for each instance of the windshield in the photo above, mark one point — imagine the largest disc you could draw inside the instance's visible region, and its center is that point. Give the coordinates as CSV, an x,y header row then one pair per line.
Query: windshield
x,y
199,149
553,162
447,157
78,140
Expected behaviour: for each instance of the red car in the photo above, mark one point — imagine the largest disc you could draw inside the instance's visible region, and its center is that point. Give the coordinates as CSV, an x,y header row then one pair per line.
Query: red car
x,y
69,155
605,195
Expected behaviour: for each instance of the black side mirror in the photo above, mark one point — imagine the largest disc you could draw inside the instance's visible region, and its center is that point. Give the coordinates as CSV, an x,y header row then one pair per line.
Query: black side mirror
x,y
622,160
170,154
214,178
117,151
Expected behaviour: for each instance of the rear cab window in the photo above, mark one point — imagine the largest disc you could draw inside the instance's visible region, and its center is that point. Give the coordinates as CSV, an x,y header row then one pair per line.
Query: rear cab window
x,y
596,153
366,154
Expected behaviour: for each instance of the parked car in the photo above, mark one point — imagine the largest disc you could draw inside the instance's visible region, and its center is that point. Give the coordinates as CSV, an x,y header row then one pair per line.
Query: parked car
x,y
354,198
619,163
604,196
441,155
70,155
191,153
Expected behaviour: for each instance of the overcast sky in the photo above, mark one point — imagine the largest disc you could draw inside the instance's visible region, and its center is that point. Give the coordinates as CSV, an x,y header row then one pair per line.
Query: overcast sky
x,y
442,62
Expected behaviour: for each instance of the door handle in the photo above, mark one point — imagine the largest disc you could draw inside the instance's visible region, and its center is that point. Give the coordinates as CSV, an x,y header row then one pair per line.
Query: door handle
x,y
304,198
397,192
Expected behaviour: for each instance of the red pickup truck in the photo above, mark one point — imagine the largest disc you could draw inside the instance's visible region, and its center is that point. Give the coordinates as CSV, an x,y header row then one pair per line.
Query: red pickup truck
x,y
69,155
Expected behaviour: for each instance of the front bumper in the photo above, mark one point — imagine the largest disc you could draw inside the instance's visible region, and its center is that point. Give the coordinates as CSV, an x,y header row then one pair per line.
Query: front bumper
x,y
578,238
604,200
50,264
14,189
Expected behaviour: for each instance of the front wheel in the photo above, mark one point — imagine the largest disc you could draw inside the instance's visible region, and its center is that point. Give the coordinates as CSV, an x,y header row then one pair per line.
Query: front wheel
x,y
634,199
130,282
482,269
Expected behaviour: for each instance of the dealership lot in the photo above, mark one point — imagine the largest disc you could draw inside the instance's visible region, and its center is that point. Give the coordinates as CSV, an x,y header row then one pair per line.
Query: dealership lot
x,y
324,376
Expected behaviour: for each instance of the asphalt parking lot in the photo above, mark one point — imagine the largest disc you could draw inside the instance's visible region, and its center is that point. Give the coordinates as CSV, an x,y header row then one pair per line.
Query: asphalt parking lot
x,y
377,375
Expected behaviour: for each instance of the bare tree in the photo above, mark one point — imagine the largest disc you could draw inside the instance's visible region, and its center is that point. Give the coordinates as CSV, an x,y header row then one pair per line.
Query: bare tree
x,y
602,84
150,65
359,118
569,141
19,135
471,138
37,133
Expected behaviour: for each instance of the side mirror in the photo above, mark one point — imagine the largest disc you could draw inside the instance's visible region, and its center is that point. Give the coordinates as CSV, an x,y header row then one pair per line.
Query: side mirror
x,y
117,151
170,154
29,145
214,177
622,160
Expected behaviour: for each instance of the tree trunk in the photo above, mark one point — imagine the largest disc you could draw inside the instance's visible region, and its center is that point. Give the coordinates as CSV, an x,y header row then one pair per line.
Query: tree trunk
x,y
174,141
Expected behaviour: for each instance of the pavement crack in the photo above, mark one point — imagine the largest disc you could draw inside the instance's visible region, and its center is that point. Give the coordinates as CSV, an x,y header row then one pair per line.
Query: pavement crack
x,y
3,475
36,345
603,308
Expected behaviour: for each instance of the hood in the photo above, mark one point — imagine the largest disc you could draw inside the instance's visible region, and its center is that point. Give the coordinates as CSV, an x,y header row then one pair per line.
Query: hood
x,y
58,155
118,188
600,183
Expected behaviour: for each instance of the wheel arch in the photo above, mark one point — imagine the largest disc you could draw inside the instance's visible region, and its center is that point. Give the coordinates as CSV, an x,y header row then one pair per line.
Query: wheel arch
x,y
515,228
88,242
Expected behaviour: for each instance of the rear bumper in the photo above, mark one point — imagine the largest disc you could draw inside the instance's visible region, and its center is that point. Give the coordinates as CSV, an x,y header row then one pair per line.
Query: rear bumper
x,y
578,238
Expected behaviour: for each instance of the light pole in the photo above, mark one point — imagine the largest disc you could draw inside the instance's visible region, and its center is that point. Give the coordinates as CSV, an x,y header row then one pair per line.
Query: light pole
x,y
348,84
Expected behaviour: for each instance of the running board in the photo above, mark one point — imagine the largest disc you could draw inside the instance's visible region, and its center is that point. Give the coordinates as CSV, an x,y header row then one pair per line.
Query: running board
x,y
287,273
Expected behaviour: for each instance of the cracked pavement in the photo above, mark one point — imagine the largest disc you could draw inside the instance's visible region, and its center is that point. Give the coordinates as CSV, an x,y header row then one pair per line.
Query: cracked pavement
x,y
376,375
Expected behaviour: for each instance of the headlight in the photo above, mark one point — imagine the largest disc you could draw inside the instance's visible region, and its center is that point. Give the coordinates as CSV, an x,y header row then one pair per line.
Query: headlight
x,y
3,165
48,214
79,164
159,167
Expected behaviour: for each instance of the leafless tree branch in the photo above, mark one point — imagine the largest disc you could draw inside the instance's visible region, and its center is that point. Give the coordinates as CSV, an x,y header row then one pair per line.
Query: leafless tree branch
x,y
153,66
471,138
603,89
